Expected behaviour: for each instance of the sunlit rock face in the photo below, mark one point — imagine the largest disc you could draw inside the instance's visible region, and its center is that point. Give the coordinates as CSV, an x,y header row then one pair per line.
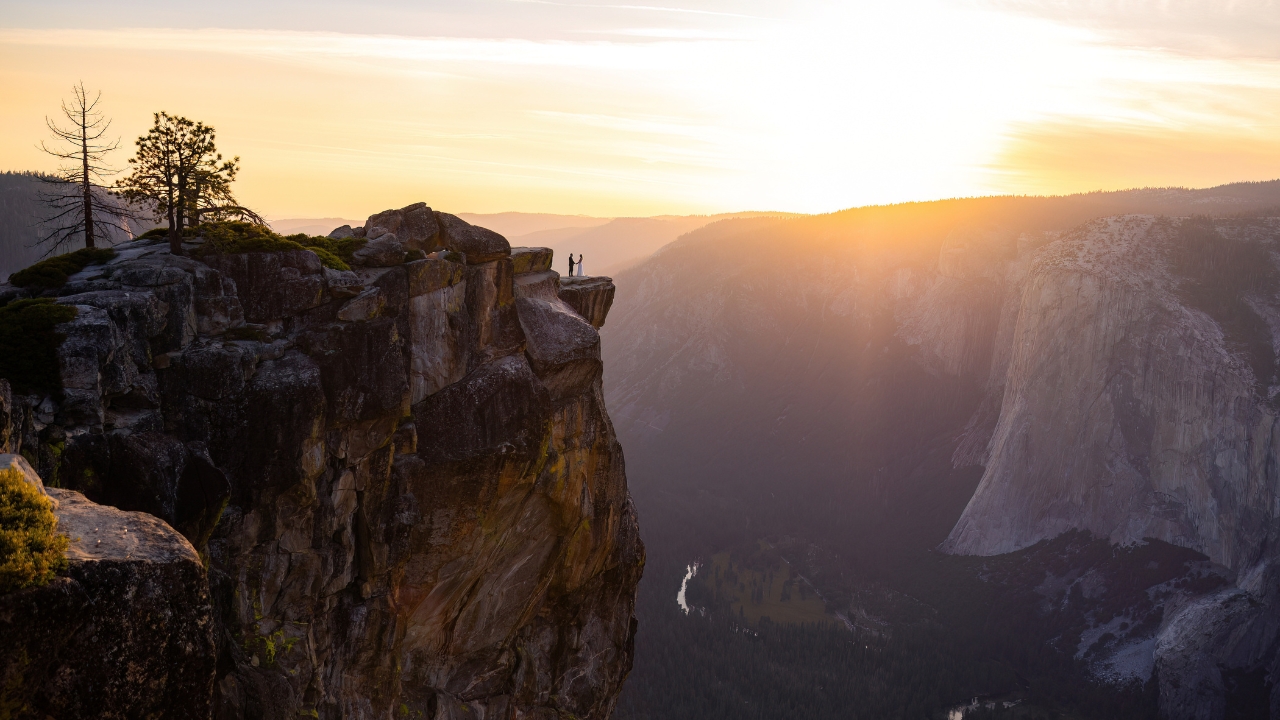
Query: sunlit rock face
x,y
1135,388
420,503
981,382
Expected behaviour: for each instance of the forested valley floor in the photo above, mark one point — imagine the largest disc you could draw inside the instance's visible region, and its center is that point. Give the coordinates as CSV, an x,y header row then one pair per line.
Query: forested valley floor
x,y
945,636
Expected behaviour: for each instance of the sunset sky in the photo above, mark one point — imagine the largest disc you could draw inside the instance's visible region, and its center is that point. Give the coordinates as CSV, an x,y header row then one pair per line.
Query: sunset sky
x,y
609,108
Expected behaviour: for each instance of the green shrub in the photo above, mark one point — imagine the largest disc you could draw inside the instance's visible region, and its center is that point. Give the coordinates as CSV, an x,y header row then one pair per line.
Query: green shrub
x,y
232,238
154,234
242,237
53,272
342,250
31,550
29,343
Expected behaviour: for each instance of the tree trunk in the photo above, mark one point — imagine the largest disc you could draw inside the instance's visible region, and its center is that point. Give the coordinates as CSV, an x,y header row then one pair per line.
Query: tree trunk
x,y
175,236
88,189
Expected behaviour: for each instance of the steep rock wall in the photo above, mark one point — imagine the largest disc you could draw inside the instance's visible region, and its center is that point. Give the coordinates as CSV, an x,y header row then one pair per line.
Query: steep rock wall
x,y
406,484
1135,395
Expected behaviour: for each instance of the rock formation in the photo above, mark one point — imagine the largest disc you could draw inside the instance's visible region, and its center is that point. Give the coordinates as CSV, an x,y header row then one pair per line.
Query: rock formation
x,y
854,378
126,633
402,476
1136,400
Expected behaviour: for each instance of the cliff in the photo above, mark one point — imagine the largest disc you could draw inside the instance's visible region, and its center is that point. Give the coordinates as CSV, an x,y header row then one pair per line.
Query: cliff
x,y
982,375
1136,399
402,477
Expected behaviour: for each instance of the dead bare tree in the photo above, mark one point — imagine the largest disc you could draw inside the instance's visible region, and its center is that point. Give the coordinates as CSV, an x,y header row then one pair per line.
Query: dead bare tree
x,y
78,204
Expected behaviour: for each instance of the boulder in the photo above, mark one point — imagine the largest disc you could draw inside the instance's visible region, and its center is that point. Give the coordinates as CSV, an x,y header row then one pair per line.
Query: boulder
x,y
341,232
590,297
386,250
433,273
126,632
531,259
563,348
480,245
415,225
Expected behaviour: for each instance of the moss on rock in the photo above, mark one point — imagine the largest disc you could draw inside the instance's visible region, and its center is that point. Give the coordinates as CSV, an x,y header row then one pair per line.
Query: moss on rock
x,y
230,238
53,272
342,250
31,550
29,343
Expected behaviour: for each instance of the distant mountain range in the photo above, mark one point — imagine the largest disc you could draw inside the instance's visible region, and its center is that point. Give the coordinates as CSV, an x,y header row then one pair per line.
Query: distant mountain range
x,y
607,245
850,380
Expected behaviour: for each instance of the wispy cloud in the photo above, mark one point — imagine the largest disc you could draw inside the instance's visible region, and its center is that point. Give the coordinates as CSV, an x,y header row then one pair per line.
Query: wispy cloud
x,y
700,107
643,8
1199,28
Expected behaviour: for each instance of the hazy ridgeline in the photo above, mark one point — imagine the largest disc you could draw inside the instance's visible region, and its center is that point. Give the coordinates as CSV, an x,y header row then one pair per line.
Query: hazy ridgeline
x,y
21,212
765,381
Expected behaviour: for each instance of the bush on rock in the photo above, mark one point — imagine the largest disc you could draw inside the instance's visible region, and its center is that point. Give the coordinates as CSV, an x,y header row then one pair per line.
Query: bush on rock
x,y
29,343
31,550
229,238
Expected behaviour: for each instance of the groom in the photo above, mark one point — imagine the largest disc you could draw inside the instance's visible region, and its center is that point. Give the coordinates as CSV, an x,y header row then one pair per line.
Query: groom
x,y
570,264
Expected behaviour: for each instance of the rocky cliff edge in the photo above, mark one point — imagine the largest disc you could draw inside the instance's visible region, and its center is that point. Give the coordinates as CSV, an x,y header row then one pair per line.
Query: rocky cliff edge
x,y
401,477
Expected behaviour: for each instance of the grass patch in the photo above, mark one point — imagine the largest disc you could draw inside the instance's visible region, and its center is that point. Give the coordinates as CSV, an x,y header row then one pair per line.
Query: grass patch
x,y
231,238
29,343
341,249
53,272
31,550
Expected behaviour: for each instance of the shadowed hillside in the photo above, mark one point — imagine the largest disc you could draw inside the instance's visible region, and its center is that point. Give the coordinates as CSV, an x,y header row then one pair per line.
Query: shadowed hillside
x,y
836,379
20,214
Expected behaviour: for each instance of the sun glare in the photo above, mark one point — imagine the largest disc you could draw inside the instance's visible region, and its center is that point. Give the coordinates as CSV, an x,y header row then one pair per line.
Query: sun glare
x,y
822,106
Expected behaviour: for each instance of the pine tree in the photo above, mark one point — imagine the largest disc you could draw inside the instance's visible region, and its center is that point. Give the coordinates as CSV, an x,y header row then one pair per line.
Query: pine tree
x,y
180,174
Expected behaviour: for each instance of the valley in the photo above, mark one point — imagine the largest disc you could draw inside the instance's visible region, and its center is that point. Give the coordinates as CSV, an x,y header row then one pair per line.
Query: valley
x,y
881,385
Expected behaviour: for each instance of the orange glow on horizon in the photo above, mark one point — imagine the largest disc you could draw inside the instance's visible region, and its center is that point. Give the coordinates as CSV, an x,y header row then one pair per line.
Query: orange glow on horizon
x,y
830,106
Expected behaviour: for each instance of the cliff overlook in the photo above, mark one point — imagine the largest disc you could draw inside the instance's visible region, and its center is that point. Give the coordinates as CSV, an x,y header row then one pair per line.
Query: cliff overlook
x,y
400,477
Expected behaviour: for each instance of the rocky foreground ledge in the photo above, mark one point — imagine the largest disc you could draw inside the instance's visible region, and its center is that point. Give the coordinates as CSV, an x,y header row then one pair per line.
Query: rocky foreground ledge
x,y
401,479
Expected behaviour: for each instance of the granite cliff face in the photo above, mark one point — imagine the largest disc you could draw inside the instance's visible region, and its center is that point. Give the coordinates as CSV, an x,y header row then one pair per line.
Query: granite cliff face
x,y
1135,400
402,477
982,375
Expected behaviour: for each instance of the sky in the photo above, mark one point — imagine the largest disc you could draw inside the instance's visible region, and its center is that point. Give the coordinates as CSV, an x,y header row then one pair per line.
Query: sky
x,y
644,107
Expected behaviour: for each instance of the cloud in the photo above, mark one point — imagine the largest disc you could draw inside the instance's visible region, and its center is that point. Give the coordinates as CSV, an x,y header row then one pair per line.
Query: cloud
x,y
1201,28
1077,156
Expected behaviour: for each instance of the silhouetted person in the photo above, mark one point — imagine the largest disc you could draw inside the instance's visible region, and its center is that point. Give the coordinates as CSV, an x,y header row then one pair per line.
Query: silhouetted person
x,y
570,264
580,273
